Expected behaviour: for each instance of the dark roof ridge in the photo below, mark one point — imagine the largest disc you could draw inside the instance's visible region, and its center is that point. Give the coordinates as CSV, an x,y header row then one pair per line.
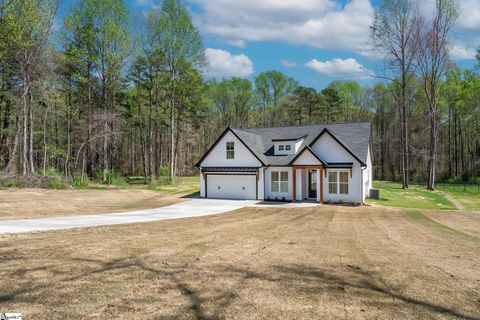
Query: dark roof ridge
x,y
304,125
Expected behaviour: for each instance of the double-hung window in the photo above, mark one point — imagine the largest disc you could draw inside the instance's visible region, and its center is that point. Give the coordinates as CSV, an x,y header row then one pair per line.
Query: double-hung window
x,y
279,181
338,182
343,182
333,182
230,150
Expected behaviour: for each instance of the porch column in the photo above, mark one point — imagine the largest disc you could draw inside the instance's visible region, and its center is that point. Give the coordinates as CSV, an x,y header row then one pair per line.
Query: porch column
x,y
321,185
294,187
300,183
319,172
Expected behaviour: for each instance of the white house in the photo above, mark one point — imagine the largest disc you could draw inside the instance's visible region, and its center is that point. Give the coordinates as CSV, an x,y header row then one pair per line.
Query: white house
x,y
320,162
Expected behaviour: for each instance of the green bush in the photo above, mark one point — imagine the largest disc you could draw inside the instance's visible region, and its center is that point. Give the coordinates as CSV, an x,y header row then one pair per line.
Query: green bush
x,y
50,172
58,184
79,183
115,179
7,184
164,170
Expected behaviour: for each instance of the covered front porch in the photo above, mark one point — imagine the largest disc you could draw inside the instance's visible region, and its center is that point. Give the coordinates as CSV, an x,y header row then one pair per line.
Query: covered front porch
x,y
307,183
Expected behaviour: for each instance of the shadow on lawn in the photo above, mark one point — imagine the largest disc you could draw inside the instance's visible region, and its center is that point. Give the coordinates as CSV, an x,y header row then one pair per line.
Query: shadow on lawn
x,y
305,279
191,195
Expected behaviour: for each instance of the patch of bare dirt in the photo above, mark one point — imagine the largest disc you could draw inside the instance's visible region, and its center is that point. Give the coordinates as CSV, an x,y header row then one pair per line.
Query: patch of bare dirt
x,y
323,262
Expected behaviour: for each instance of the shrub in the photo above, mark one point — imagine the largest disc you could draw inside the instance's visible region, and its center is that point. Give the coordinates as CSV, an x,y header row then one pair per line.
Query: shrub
x,y
78,183
7,184
340,201
115,179
58,184
50,172
164,170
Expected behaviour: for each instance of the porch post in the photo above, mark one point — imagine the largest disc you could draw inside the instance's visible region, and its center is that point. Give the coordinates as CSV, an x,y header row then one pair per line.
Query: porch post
x,y
294,188
319,172
321,185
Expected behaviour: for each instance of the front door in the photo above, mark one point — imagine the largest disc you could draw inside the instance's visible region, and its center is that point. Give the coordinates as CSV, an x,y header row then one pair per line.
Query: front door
x,y
312,184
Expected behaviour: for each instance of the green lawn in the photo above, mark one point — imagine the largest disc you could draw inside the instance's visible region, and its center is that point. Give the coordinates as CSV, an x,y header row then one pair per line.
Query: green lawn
x,y
392,194
467,195
182,185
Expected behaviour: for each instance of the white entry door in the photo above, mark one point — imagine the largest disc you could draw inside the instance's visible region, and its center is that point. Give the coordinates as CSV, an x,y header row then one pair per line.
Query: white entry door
x,y
242,187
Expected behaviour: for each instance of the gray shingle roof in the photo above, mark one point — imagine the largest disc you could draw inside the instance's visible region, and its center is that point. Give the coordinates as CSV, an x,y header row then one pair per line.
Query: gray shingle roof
x,y
355,136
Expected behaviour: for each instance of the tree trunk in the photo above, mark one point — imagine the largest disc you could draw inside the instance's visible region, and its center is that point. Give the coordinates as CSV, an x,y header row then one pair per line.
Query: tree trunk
x,y
433,149
12,166
30,127
45,141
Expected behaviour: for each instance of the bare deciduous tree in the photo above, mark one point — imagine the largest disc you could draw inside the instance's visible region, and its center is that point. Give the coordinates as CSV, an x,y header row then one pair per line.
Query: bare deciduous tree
x,y
395,31
433,60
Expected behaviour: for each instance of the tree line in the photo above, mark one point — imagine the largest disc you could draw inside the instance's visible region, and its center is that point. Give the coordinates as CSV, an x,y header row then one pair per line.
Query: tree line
x,y
100,98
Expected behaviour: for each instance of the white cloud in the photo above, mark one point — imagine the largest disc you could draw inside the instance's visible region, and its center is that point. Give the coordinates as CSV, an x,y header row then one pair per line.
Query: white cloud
x,y
288,63
223,64
323,24
459,52
469,18
464,35
340,68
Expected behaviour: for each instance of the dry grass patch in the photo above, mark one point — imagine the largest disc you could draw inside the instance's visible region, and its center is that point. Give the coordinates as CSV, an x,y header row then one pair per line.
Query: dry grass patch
x,y
322,262
39,203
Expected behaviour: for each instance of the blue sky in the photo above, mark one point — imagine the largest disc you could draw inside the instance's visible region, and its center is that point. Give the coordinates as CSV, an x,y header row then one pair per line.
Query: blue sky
x,y
314,41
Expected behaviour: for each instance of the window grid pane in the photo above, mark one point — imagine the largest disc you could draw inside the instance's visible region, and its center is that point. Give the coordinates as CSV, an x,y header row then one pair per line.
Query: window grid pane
x,y
275,176
343,188
333,182
280,147
230,150
288,147
332,187
343,183
275,186
332,177
283,186
284,176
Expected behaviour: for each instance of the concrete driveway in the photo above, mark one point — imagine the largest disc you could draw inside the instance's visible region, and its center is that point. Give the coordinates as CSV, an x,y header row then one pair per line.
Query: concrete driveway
x,y
187,209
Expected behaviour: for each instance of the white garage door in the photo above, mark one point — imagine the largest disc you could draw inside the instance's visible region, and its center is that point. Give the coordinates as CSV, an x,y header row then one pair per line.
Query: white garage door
x,y
232,187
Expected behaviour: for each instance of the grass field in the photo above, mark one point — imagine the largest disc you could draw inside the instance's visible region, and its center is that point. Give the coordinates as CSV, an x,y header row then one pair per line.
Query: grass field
x,y
392,194
468,196
328,262
38,203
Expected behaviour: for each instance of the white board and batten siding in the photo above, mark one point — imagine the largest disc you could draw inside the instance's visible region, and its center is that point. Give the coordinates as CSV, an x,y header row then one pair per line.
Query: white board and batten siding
x,y
231,185
307,159
329,149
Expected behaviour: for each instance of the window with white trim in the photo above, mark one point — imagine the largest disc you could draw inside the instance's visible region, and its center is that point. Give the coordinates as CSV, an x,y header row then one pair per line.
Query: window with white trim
x,y
343,182
333,182
288,147
279,181
230,150
281,147
338,182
